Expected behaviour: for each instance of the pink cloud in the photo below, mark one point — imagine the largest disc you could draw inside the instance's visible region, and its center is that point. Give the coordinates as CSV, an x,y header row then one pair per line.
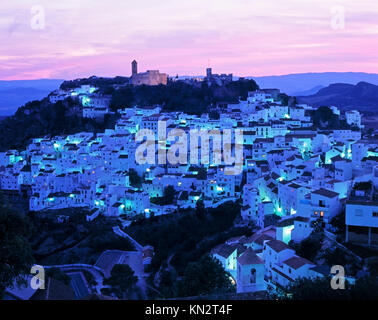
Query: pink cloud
x,y
247,37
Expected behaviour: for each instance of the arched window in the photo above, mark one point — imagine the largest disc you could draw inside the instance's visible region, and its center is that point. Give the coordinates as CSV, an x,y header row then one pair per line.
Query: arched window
x,y
253,275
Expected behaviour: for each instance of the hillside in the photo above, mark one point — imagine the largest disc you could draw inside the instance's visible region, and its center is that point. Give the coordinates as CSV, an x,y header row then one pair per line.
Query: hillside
x,y
39,118
192,98
362,96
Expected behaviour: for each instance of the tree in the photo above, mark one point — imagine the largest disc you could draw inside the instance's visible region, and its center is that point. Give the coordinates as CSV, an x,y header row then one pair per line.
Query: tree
x,y
336,256
310,247
206,276
135,179
169,234
320,289
202,173
363,185
285,99
121,281
169,194
214,115
167,283
200,209
323,117
122,98
314,289
16,256
339,223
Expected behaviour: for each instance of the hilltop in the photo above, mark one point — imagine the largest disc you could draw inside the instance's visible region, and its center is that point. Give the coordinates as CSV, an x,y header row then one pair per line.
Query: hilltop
x,y
190,97
42,117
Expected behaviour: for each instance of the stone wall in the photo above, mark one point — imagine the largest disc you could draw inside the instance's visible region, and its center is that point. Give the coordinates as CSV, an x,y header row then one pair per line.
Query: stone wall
x,y
150,78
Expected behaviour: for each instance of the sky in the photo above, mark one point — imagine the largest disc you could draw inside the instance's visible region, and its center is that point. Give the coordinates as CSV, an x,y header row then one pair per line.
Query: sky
x,y
79,38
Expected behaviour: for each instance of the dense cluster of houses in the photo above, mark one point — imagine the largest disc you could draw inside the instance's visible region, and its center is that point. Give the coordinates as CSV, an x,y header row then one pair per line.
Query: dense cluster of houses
x,y
290,169
94,104
302,175
261,261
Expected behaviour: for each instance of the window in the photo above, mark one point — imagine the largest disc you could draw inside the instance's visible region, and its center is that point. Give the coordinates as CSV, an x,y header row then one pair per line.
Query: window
x,y
375,214
253,276
358,212
321,213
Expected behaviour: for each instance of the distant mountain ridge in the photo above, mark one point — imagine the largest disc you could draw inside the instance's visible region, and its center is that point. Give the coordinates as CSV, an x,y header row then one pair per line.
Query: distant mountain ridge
x,y
308,92
14,94
296,84
301,84
362,96
42,84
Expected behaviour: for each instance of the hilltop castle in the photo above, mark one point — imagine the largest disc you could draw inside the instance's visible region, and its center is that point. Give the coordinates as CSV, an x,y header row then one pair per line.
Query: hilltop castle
x,y
219,79
150,77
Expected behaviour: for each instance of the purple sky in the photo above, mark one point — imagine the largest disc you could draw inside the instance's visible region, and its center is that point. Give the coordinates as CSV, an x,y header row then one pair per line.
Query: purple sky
x,y
81,38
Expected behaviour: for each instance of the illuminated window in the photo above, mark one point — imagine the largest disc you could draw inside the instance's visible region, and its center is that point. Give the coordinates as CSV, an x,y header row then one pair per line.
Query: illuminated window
x,y
321,213
316,213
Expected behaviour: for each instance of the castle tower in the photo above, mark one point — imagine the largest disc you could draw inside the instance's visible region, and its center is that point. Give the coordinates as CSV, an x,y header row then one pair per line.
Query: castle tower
x,y
208,73
134,68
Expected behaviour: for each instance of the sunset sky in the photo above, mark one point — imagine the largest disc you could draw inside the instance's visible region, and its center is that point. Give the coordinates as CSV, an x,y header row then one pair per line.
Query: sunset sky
x,y
246,37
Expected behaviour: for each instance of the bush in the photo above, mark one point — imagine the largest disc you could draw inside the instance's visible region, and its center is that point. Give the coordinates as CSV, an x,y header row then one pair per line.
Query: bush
x,y
310,247
171,233
336,256
320,289
206,276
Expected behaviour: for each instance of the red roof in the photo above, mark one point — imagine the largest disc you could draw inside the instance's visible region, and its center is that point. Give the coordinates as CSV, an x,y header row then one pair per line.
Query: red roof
x,y
277,245
297,262
249,257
